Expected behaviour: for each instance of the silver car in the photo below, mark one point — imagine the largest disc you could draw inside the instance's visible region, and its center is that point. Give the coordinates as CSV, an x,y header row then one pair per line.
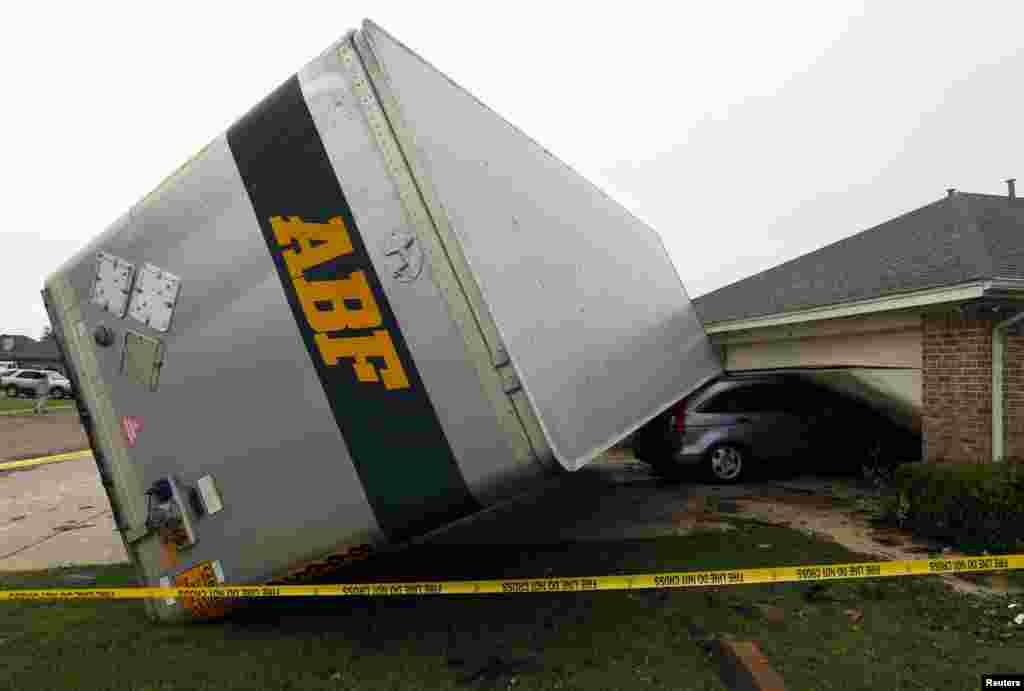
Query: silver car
x,y
741,422
25,382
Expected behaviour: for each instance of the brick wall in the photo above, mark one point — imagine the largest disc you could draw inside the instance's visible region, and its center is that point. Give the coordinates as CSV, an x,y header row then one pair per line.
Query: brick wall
x,y
1013,409
957,390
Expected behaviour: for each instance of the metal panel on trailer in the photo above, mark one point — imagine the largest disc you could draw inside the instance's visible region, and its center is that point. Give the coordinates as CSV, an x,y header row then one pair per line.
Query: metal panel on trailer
x,y
236,398
595,319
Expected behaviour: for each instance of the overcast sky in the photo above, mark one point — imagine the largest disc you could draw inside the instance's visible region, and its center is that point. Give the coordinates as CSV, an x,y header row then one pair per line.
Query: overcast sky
x,y
745,133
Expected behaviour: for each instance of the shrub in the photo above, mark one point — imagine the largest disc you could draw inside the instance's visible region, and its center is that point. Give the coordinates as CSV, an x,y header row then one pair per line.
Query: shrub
x,y
974,506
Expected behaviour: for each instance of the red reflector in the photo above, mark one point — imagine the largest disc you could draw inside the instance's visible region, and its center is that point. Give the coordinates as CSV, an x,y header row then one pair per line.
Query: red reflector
x,y
679,417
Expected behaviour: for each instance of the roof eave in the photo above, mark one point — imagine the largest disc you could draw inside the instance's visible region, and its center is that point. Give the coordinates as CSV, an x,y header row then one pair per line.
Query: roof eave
x,y
961,292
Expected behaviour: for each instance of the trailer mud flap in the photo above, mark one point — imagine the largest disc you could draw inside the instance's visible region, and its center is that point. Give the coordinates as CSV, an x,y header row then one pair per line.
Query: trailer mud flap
x,y
365,367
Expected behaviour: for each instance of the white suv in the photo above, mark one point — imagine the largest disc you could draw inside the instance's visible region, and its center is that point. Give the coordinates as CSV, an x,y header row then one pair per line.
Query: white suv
x,y
25,381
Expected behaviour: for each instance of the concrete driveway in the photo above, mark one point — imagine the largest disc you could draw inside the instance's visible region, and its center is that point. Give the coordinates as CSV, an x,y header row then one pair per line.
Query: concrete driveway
x,y
613,498
23,436
56,514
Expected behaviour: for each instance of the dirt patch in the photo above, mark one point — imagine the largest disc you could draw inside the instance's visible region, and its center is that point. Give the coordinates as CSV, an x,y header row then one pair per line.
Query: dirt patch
x,y
30,436
822,517
805,500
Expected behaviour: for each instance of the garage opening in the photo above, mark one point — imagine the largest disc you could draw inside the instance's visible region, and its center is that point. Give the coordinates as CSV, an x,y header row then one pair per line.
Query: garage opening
x,y
895,392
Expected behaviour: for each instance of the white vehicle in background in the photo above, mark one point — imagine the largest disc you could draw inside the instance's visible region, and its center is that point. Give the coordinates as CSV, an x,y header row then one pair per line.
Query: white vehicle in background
x,y
24,382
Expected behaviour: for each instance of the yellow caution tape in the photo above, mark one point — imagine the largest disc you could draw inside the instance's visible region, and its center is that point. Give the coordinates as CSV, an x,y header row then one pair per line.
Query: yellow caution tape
x,y
685,579
58,458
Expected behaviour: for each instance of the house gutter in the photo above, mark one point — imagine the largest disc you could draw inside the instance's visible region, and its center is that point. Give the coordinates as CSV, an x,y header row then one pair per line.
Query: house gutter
x,y
998,361
1008,288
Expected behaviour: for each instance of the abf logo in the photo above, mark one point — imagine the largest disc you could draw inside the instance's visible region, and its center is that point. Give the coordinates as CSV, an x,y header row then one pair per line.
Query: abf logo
x,y
328,305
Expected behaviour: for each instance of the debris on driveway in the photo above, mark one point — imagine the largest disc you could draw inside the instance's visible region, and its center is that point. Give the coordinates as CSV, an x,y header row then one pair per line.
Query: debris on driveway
x,y
79,579
742,665
771,613
855,615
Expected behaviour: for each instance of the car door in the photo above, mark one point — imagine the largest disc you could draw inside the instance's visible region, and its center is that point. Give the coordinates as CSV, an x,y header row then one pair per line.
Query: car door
x,y
722,407
26,381
795,408
776,430
736,412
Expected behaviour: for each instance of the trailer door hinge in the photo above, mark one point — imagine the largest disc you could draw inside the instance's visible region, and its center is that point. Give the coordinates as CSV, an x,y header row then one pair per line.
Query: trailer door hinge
x,y
503,363
510,380
501,356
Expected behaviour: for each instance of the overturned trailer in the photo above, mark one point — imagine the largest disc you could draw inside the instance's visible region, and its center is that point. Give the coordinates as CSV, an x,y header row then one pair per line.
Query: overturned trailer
x,y
370,309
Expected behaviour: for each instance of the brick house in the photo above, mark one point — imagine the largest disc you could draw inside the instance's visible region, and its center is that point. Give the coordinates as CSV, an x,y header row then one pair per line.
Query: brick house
x,y
922,314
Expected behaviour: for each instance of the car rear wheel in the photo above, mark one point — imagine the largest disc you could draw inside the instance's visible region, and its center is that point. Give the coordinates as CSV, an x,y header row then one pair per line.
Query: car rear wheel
x,y
725,464
12,391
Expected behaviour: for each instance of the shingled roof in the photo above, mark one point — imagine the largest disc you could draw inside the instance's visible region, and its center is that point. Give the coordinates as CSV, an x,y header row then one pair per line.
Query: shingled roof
x,y
28,349
959,238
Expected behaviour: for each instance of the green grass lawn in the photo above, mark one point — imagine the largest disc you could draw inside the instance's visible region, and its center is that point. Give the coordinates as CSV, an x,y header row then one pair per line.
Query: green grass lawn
x,y
7,403
914,633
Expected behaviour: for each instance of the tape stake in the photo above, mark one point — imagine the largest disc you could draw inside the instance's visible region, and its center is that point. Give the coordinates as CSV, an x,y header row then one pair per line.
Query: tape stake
x,y
165,582
686,579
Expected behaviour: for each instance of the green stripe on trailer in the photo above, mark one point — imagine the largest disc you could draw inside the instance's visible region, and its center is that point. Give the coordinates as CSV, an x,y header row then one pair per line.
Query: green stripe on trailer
x,y
368,374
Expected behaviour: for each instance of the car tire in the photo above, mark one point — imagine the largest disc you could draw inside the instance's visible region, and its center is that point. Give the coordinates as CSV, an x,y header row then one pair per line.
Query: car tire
x,y
726,464
12,391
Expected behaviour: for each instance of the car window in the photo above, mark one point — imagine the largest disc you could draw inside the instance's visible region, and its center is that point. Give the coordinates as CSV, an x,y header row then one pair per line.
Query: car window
x,y
797,399
743,399
763,398
719,403
755,398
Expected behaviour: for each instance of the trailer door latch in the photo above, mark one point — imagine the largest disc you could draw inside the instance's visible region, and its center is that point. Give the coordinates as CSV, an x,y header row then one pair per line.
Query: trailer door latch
x,y
168,515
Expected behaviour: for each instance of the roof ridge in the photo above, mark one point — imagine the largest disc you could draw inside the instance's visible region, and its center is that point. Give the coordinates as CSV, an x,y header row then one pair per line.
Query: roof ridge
x,y
847,238
945,242
985,194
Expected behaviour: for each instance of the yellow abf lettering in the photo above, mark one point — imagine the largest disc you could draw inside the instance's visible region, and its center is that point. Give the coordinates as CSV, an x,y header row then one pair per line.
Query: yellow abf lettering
x,y
359,348
342,304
